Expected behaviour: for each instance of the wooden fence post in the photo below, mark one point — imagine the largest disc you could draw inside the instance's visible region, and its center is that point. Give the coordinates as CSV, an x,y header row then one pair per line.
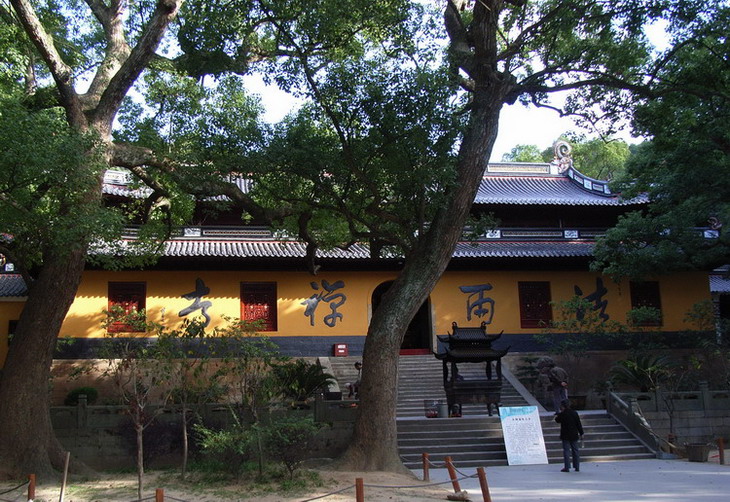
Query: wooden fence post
x,y
483,484
721,449
159,495
31,486
425,467
452,475
359,490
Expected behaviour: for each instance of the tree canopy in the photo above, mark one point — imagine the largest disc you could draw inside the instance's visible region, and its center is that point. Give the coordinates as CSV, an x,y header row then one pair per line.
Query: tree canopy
x,y
685,168
599,158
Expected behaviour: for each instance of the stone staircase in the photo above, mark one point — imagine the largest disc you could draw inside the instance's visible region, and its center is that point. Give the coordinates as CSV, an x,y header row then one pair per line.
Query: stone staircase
x,y
420,378
475,439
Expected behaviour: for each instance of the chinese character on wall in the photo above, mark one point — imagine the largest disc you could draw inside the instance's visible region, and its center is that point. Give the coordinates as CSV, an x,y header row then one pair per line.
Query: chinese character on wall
x,y
200,290
596,298
477,304
325,292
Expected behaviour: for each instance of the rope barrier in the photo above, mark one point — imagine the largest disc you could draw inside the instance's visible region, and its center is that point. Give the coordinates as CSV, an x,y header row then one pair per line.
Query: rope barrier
x,y
416,486
331,493
21,485
359,485
15,488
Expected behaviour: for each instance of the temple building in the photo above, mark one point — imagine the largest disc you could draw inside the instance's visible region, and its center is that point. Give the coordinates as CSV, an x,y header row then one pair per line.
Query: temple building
x,y
509,278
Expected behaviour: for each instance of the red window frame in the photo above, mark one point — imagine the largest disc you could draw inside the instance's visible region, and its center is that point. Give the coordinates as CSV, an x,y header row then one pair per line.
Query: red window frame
x,y
259,303
131,297
535,308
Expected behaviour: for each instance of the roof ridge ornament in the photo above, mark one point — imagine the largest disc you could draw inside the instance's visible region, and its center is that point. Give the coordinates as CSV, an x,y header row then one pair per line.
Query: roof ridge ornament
x,y
563,158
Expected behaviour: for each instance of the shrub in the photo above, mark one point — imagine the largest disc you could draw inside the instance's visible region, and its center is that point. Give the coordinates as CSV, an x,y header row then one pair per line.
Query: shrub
x,y
233,447
288,440
72,398
298,380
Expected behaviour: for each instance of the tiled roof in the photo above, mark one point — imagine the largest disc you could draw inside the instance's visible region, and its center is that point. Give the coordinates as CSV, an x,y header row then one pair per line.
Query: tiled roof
x,y
245,248
516,183
255,249
545,190
719,284
12,285
523,249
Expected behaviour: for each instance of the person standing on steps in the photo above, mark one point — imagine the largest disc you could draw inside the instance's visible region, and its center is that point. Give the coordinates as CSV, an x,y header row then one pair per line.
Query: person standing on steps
x,y
354,387
556,379
571,431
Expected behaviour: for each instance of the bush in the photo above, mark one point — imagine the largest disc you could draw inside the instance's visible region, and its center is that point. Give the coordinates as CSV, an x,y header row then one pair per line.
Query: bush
x,y
288,440
72,399
233,447
298,380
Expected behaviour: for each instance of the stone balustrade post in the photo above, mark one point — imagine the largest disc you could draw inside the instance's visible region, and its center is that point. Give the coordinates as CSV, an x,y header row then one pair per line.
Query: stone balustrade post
x,y
82,412
706,396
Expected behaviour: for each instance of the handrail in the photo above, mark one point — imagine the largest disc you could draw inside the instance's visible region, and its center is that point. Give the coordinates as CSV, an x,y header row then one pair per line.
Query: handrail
x,y
629,415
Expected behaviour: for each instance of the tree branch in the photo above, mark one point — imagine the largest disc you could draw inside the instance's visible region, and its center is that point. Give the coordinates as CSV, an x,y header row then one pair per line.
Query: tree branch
x,y
60,71
137,61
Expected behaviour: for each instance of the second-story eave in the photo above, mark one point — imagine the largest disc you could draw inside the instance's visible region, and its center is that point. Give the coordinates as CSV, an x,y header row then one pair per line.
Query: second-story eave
x,y
546,189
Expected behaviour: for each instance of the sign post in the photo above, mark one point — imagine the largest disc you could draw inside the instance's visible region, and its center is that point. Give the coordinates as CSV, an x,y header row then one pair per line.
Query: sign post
x,y
523,437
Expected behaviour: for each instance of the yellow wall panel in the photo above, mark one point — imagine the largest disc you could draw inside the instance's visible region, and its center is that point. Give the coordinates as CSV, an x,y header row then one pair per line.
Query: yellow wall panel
x,y
448,302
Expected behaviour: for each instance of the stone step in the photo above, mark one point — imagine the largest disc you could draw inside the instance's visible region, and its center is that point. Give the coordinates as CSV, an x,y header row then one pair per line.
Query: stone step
x,y
476,439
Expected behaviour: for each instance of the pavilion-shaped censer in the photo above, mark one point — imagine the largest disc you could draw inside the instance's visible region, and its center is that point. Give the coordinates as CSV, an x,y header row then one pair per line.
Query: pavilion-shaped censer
x,y
470,345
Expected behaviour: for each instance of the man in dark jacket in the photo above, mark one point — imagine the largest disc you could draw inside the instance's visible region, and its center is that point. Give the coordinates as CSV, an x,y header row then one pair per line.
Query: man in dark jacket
x,y
571,431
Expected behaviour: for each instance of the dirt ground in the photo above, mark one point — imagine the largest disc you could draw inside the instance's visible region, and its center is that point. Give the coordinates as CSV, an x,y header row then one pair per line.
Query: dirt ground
x,y
378,486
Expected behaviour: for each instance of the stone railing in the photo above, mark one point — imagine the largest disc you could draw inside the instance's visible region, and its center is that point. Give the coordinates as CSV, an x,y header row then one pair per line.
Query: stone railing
x,y
703,399
629,415
665,421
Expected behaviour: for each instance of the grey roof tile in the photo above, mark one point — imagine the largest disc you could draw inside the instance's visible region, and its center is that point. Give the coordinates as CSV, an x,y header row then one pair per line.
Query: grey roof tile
x,y
255,249
12,285
523,249
293,249
719,284
546,190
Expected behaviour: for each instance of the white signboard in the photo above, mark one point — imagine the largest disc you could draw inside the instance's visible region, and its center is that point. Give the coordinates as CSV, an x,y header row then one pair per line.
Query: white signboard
x,y
523,435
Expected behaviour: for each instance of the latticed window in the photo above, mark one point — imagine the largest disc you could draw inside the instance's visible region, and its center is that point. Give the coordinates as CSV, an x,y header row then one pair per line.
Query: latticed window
x,y
646,294
535,308
258,303
130,298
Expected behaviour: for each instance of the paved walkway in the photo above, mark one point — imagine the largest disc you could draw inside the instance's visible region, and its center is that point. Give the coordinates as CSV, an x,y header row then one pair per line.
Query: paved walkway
x,y
624,481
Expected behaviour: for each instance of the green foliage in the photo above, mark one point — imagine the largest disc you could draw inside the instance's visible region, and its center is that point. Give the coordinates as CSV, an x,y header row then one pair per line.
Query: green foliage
x,y
684,168
526,153
299,379
232,447
643,372
43,204
528,373
576,328
248,358
702,316
641,317
288,440
713,361
600,159
72,398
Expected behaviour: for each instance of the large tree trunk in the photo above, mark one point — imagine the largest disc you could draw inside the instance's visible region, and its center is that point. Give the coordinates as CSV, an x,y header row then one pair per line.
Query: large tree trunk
x,y
27,442
374,445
